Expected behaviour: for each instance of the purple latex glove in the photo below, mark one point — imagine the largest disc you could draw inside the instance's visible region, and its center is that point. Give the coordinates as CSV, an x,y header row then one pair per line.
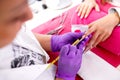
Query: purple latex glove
x,y
57,41
69,62
84,41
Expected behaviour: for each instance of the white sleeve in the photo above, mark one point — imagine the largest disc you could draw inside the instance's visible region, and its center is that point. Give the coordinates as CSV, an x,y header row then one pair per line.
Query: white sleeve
x,y
113,9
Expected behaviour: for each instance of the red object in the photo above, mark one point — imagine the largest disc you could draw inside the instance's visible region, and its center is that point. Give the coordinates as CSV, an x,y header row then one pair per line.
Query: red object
x,y
77,31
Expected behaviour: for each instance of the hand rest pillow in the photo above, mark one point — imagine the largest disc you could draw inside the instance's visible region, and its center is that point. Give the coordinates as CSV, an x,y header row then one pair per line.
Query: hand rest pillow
x,y
112,44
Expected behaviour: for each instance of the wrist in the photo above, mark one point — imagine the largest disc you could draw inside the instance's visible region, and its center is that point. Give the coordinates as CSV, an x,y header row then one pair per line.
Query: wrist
x,y
116,18
69,78
64,77
115,14
55,43
113,19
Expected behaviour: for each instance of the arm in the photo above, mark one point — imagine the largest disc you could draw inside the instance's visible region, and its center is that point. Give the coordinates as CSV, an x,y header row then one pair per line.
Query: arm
x,y
85,8
44,40
115,9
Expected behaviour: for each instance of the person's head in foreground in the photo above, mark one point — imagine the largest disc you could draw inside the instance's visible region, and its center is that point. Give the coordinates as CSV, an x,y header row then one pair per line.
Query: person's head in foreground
x,y
13,13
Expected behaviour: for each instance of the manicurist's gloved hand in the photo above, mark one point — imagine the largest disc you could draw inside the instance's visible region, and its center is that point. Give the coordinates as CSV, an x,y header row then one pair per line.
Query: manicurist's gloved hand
x,y
57,41
70,60
85,42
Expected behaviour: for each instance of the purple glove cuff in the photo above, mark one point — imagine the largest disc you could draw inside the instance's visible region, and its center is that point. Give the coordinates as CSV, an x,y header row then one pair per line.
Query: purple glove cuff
x,y
65,77
54,47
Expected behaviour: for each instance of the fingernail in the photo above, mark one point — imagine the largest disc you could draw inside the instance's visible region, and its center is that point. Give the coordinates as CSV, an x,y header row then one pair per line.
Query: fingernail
x,y
85,16
98,10
78,14
83,36
81,17
86,50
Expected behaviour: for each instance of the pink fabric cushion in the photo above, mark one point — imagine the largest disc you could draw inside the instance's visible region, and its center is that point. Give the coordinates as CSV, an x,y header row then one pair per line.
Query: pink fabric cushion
x,y
112,44
108,56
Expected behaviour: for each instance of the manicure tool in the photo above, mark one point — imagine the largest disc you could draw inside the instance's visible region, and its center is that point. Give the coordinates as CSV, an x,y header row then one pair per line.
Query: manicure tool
x,y
60,28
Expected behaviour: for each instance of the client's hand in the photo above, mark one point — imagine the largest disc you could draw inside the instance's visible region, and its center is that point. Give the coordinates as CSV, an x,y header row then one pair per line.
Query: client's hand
x,y
101,29
57,41
85,8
